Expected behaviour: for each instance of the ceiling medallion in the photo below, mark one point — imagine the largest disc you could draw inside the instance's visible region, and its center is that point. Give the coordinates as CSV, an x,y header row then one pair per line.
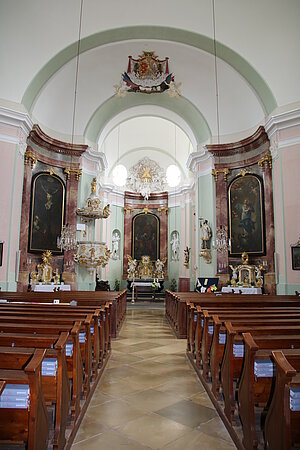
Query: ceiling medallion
x,y
147,74
145,177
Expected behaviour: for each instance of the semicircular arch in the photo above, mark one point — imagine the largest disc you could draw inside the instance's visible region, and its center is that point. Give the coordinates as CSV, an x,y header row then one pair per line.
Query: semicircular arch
x,y
193,39
116,110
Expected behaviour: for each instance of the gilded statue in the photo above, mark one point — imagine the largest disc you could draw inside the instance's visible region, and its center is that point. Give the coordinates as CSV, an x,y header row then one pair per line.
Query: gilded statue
x,y
45,269
145,269
132,263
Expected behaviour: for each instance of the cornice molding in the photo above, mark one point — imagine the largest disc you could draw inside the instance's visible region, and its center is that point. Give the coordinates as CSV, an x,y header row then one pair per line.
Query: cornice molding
x,y
254,141
40,138
282,121
16,119
240,153
197,157
95,157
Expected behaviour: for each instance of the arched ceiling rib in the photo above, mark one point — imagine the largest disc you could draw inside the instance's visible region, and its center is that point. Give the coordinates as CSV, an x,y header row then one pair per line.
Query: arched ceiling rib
x,y
192,39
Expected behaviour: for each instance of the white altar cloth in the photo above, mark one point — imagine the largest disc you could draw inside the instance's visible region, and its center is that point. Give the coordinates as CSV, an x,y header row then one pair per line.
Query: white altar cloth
x,y
50,287
244,290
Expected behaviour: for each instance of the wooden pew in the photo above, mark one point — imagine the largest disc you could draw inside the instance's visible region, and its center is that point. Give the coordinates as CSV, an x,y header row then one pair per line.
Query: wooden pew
x,y
82,298
203,341
177,313
55,389
210,340
77,365
57,316
282,426
24,425
59,321
253,390
55,309
232,365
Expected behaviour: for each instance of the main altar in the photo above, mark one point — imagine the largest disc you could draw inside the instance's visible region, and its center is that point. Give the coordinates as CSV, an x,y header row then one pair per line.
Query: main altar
x,y
145,276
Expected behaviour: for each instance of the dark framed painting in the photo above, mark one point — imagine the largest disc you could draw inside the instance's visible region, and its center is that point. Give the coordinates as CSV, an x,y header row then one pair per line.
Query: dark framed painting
x,y
1,253
47,211
296,257
246,215
145,236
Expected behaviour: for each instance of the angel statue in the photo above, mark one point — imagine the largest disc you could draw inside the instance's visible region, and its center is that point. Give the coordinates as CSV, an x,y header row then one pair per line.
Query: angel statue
x,y
132,263
234,278
159,266
187,257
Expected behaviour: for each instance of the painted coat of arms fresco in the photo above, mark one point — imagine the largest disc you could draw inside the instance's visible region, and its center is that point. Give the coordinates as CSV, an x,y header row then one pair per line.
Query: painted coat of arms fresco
x,y
148,74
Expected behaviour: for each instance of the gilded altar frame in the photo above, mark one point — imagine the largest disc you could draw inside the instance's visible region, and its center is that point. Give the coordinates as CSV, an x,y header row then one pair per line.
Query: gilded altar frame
x,y
246,215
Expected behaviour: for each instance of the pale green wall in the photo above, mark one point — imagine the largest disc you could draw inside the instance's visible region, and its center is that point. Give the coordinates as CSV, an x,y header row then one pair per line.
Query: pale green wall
x,y
206,210
116,266
85,281
174,223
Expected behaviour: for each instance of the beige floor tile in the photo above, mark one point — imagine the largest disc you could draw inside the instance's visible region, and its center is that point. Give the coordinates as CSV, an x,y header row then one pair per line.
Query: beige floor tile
x,y
112,440
114,413
149,396
215,428
198,440
153,430
151,399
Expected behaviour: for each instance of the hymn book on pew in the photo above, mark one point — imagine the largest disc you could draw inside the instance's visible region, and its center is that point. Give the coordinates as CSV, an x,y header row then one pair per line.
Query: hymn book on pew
x,y
15,396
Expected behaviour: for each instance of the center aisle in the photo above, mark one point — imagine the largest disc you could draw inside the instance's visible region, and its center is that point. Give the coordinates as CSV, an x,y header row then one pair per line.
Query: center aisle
x,y
149,397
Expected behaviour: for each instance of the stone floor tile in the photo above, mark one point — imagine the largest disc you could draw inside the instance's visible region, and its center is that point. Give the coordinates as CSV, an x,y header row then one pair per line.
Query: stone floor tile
x,y
149,396
153,430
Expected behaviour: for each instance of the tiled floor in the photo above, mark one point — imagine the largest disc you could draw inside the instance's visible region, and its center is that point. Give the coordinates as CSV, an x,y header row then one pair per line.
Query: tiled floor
x,y
149,397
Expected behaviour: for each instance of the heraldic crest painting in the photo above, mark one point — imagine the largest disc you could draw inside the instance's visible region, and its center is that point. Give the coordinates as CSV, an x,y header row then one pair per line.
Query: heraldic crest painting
x,y
147,74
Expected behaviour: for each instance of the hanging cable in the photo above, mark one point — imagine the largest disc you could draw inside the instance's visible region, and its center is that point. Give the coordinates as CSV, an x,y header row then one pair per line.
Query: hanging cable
x,y
216,70
77,70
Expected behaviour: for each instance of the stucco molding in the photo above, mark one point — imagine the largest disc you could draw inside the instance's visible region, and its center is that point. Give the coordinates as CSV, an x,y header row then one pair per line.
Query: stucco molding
x,y
96,158
16,119
197,157
282,121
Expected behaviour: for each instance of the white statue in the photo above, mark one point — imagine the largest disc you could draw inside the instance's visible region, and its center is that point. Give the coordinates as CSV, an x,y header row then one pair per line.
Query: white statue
x,y
159,266
132,263
234,275
115,245
206,235
175,246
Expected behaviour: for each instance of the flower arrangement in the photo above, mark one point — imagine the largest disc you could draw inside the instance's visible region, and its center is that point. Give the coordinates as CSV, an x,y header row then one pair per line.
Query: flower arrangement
x,y
155,284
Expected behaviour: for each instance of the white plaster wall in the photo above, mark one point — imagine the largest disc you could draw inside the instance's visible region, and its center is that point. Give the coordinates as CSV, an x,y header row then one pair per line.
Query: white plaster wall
x,y
265,33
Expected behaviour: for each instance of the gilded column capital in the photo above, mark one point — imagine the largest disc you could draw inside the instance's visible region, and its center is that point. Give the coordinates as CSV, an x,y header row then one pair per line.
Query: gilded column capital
x,y
77,172
216,172
29,157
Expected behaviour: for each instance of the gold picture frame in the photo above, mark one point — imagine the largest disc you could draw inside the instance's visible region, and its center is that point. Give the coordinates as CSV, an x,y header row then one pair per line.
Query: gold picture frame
x,y
47,211
145,236
246,215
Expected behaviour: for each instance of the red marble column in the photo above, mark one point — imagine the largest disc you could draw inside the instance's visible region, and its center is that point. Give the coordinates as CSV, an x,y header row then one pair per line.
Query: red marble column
x,y
71,220
221,220
24,228
269,276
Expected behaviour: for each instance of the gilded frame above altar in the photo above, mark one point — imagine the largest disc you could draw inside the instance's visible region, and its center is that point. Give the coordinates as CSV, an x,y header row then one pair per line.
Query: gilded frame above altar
x,y
246,215
145,236
47,211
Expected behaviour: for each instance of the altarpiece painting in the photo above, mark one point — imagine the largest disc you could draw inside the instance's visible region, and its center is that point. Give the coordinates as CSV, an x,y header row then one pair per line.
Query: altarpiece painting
x,y
246,215
46,213
145,236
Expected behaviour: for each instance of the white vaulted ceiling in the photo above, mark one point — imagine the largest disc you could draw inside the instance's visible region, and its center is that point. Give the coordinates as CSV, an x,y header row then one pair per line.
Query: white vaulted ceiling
x,y
258,69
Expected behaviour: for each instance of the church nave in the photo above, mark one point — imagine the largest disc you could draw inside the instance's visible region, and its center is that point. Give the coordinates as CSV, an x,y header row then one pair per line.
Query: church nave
x,y
149,397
